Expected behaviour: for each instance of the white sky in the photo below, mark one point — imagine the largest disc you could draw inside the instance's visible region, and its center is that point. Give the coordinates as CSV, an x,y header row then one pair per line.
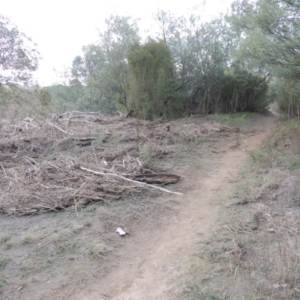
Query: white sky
x,y
62,27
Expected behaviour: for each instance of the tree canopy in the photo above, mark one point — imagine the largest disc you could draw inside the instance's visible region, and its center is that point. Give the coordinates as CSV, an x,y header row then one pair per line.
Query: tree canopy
x,y
187,66
18,56
153,81
104,68
270,44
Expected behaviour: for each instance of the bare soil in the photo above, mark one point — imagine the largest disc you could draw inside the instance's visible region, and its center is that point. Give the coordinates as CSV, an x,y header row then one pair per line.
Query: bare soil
x,y
78,255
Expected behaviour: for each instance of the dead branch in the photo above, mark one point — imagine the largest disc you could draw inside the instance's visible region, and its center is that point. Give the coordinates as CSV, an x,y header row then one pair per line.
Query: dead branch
x,y
130,180
58,128
38,166
3,170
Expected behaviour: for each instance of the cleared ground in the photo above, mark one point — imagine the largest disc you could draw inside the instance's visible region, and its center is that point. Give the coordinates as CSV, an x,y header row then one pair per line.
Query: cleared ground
x,y
74,253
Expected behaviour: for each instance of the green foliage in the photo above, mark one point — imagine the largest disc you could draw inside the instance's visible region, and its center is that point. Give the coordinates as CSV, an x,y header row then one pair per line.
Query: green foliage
x,y
64,97
152,87
288,96
189,67
45,97
18,60
19,102
237,119
4,262
103,71
271,29
18,56
195,291
270,44
74,96
242,91
2,285
201,53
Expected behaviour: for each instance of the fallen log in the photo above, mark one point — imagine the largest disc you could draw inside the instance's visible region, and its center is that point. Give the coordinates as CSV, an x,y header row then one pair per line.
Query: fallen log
x,y
130,180
156,178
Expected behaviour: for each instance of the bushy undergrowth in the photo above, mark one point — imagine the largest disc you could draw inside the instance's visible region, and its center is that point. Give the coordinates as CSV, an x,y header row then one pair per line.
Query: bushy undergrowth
x,y
17,102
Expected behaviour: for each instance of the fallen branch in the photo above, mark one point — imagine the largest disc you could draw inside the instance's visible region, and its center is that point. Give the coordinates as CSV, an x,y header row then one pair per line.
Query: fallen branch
x,y
3,170
58,128
130,180
79,189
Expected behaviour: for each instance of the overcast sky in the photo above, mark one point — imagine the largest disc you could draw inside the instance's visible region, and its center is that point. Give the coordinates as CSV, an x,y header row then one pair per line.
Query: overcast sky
x,y
62,27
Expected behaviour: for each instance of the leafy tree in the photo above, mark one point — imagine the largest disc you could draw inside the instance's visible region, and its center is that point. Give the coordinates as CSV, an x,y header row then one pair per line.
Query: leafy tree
x,y
243,91
104,67
67,97
271,30
201,52
18,60
152,86
271,43
191,67
18,56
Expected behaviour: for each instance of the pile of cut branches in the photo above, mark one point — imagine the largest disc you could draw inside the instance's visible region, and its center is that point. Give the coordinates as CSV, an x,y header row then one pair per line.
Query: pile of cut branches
x,y
73,159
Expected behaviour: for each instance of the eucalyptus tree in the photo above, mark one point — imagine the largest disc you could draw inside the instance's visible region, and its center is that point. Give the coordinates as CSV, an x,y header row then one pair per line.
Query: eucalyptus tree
x,y
103,69
19,95
18,54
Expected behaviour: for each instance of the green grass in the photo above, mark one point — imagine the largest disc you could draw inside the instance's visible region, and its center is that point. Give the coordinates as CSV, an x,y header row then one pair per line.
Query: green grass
x,y
2,285
237,119
196,292
204,140
4,262
94,249
5,238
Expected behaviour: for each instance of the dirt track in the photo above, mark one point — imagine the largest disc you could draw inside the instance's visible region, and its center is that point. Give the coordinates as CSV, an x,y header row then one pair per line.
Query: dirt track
x,y
153,263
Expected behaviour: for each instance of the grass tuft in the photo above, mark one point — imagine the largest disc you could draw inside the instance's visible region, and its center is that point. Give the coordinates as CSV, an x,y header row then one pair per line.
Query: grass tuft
x,y
236,120
3,262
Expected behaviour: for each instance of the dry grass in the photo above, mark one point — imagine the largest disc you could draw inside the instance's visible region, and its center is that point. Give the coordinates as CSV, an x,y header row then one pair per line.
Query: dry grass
x,y
41,248
256,253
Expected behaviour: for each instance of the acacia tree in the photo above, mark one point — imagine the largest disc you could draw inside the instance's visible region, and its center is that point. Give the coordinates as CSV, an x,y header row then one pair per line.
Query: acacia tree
x,y
152,85
18,56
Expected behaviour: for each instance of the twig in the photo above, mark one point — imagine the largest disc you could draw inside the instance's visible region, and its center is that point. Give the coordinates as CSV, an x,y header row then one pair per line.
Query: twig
x,y
70,117
42,245
79,189
58,128
27,159
83,113
3,170
75,206
130,180
139,163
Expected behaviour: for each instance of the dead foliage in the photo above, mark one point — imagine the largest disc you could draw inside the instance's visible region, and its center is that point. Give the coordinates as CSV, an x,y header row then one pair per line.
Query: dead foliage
x,y
44,163
235,254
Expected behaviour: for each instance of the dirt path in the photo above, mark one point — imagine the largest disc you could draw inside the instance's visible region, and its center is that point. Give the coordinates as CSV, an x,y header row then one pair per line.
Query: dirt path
x,y
154,262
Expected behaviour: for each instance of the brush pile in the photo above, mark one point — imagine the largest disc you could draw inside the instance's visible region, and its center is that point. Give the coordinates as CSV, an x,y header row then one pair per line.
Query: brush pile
x,y
75,158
